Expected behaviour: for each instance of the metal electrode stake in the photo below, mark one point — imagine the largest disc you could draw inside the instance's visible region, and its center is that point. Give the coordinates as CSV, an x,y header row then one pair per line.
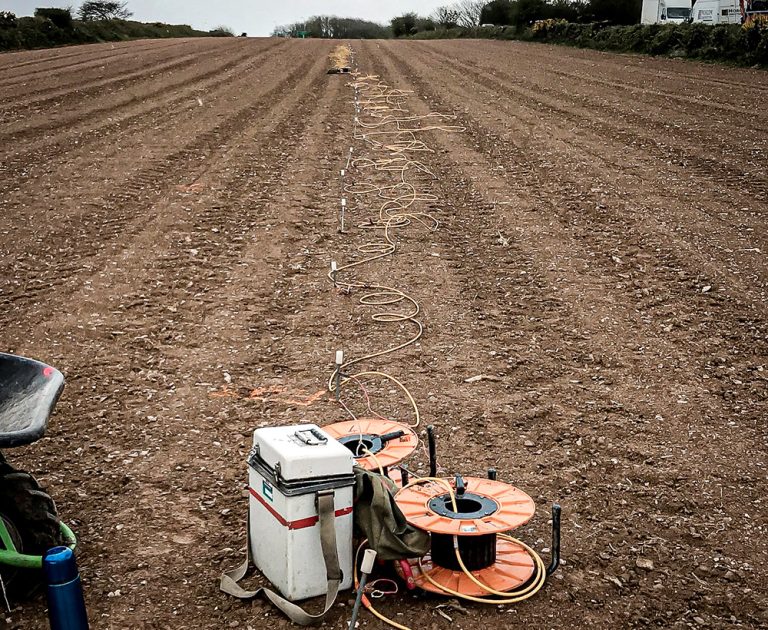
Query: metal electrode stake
x,y
555,563
339,363
343,208
369,557
432,451
334,271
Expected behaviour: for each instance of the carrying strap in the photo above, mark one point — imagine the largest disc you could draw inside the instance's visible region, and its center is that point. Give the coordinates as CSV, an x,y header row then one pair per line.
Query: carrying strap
x,y
326,515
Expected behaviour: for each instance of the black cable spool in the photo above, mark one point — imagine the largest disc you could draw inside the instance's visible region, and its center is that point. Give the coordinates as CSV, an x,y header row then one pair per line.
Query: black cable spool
x,y
477,552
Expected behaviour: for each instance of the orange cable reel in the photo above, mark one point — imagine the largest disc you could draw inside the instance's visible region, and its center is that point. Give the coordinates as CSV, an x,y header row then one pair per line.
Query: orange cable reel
x,y
484,509
375,442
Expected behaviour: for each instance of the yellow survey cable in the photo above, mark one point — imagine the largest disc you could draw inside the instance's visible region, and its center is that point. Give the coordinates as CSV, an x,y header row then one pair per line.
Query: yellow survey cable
x,y
345,381
375,460
385,125
516,596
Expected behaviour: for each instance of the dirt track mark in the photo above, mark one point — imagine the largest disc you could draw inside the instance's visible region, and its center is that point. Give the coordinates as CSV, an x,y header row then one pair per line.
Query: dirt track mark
x,y
83,87
45,56
706,77
651,85
669,261
662,136
85,147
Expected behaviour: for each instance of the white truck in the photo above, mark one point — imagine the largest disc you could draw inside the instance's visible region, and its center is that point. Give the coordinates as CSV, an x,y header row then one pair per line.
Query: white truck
x,y
717,11
666,11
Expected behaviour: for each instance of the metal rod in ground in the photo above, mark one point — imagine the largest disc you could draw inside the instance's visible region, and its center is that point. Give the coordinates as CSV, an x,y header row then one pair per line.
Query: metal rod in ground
x,y
369,557
555,540
343,208
432,451
339,363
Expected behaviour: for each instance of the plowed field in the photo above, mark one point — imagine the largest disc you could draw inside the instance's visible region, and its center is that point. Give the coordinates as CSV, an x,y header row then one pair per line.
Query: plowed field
x,y
169,214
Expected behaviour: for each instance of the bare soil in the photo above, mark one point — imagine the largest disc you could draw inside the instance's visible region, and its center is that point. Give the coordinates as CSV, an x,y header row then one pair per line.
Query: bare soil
x,y
169,213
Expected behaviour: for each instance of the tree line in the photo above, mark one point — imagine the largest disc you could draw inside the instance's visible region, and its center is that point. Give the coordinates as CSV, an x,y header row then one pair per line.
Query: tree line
x,y
518,13
94,21
467,14
333,27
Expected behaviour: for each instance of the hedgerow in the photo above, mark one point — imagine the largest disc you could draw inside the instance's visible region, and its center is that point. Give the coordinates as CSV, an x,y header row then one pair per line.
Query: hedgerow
x,y
50,27
742,45
746,45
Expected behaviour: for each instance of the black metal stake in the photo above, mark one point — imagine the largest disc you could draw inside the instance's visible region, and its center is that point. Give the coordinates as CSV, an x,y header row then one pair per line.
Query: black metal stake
x,y
432,451
555,540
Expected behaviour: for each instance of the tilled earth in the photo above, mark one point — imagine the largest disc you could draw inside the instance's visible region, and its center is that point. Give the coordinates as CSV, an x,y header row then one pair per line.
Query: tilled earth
x,y
169,214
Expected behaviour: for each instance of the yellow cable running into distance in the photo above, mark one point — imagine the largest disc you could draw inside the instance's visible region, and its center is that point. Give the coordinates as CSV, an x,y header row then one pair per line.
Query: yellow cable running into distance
x,y
386,127
393,135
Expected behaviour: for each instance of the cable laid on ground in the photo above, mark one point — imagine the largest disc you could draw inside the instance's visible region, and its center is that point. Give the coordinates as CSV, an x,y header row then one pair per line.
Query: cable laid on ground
x,y
382,104
381,126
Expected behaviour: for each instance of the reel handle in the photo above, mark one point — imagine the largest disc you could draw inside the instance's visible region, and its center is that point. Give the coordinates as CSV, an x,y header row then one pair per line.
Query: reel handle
x,y
387,437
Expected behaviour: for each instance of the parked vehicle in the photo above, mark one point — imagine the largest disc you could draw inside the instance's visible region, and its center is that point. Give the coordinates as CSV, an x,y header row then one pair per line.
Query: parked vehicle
x,y
717,12
666,11
728,11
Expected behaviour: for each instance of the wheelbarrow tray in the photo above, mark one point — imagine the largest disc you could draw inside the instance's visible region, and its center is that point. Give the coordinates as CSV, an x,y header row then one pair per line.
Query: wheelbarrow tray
x,y
28,393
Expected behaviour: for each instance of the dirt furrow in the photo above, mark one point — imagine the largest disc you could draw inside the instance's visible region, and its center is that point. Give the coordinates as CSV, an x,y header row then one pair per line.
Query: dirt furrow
x,y
74,115
94,58
661,137
86,148
629,86
636,388
113,214
720,82
740,233
87,87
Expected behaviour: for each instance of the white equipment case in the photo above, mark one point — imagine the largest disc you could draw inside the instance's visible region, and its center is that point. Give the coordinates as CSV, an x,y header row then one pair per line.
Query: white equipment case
x,y
288,466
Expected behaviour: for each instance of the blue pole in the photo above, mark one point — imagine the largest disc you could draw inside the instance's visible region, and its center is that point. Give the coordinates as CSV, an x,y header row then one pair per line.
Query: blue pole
x,y
66,605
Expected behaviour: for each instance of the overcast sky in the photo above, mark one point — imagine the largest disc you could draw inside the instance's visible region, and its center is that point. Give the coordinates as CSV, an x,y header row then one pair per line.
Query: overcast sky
x,y
256,17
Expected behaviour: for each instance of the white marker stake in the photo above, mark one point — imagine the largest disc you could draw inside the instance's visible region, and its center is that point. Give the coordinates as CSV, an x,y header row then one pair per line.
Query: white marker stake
x,y
334,269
